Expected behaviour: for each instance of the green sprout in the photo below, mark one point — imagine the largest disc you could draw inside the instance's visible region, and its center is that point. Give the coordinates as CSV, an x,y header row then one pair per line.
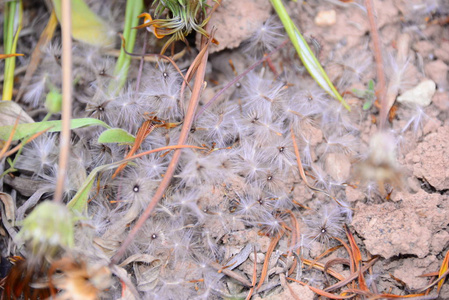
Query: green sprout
x,y
47,228
369,95
182,19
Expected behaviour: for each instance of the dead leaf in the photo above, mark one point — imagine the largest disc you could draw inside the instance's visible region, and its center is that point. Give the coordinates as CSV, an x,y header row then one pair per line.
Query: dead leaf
x,y
9,111
10,207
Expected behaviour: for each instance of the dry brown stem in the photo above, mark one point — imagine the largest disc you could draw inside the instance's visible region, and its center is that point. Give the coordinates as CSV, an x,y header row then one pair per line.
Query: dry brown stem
x,y
66,24
381,83
197,88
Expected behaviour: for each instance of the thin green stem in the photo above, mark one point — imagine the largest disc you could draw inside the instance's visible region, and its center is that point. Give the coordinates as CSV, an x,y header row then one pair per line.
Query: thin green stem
x,y
47,116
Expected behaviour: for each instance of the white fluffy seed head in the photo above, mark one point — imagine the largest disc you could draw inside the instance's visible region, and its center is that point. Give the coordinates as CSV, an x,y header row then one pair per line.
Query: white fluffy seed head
x,y
265,38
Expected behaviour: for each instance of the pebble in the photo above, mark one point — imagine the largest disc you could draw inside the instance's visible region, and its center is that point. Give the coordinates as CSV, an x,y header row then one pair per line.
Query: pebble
x,y
425,48
441,100
421,94
437,70
326,18
338,166
260,257
442,52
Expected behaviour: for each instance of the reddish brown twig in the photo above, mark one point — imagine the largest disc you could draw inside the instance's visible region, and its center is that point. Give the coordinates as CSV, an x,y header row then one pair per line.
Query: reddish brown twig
x,y
274,242
197,88
144,130
381,83
253,282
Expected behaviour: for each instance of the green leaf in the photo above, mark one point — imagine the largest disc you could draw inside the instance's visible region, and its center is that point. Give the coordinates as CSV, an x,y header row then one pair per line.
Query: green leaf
x,y
371,85
116,135
24,130
87,27
359,93
367,105
79,201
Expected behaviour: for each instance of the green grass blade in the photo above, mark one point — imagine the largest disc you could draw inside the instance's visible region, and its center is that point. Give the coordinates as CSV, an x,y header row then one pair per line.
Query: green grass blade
x,y
305,53
24,130
11,30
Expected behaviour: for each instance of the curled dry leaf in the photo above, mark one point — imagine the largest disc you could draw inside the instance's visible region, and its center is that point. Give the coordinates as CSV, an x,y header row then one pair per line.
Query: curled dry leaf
x,y
10,111
10,206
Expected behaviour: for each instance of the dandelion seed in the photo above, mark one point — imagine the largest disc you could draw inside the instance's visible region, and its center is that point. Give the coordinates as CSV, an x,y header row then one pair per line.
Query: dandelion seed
x,y
325,224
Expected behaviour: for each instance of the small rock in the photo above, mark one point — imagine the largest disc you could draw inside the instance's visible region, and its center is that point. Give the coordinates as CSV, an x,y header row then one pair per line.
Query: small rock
x,y
236,21
389,231
260,257
431,125
410,273
353,194
326,18
389,15
442,52
421,94
312,134
437,71
338,166
441,100
439,242
301,292
433,159
425,48
413,184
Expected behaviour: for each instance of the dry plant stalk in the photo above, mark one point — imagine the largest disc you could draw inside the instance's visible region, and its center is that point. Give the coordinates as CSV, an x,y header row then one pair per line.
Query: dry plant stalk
x,y
66,23
380,70
197,88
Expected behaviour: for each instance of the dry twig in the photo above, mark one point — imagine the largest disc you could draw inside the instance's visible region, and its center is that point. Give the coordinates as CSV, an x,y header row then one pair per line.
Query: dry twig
x,y
66,23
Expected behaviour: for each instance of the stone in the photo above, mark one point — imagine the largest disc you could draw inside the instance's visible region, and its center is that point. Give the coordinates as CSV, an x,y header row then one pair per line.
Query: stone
x,y
437,71
442,52
439,242
407,226
338,166
354,194
425,48
326,18
421,94
299,291
409,272
389,231
236,21
441,100
432,159
390,14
